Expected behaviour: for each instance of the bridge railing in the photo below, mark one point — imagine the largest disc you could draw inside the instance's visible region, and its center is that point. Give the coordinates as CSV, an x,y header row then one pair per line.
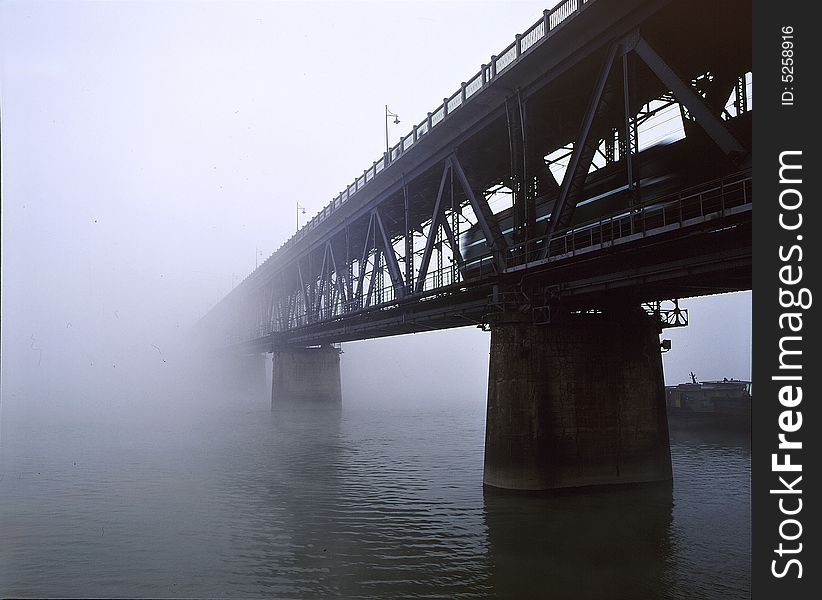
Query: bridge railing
x,y
523,43
714,199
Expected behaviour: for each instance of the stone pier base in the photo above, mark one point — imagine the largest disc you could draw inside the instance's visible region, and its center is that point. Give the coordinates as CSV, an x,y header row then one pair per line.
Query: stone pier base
x,y
306,378
576,403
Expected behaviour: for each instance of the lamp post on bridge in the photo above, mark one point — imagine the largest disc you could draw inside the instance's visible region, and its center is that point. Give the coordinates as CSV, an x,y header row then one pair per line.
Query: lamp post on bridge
x,y
300,209
388,114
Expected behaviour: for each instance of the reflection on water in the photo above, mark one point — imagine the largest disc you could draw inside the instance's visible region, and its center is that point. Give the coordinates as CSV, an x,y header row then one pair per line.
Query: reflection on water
x,y
358,504
602,544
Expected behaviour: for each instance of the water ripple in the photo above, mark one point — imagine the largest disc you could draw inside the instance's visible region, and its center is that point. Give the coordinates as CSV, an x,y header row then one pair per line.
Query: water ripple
x,y
385,504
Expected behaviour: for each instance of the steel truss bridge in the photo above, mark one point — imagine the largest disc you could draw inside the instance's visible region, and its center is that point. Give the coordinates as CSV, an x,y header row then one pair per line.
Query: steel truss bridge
x,y
602,158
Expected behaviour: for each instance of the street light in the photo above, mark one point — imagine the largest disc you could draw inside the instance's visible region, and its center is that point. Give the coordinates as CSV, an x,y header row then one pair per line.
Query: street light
x,y
300,209
388,113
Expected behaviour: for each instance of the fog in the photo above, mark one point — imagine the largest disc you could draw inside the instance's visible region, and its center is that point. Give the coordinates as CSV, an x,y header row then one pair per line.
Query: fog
x,y
154,152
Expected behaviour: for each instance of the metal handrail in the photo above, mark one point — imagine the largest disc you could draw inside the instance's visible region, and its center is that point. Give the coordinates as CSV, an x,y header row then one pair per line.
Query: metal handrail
x,y
716,197
437,282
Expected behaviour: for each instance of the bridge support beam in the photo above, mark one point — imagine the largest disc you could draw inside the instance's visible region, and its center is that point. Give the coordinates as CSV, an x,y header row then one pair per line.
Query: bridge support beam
x,y
306,378
576,403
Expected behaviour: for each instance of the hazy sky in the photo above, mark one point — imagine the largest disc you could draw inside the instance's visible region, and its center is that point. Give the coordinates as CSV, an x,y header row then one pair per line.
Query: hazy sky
x,y
151,149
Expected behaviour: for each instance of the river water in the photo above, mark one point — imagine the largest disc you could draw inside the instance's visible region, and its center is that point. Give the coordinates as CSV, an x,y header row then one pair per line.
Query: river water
x,y
370,503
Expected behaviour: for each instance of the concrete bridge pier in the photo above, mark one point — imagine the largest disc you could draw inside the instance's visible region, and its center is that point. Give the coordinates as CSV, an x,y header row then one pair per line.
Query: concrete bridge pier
x,y
306,378
575,403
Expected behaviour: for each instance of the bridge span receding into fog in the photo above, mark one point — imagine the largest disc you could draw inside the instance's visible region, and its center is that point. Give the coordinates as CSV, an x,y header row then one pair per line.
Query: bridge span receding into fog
x,y
594,168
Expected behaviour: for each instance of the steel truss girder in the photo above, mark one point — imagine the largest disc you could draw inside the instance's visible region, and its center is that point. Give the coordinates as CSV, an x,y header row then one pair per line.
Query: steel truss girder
x,y
373,281
630,143
581,157
455,247
349,268
487,221
339,277
390,258
327,287
432,232
321,286
306,304
438,219
314,290
585,147
366,248
685,94
409,237
523,199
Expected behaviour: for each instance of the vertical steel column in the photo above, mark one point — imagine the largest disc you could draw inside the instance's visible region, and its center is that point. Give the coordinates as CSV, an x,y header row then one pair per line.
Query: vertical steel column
x,y
409,240
629,150
349,269
517,148
452,232
513,162
303,292
528,193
